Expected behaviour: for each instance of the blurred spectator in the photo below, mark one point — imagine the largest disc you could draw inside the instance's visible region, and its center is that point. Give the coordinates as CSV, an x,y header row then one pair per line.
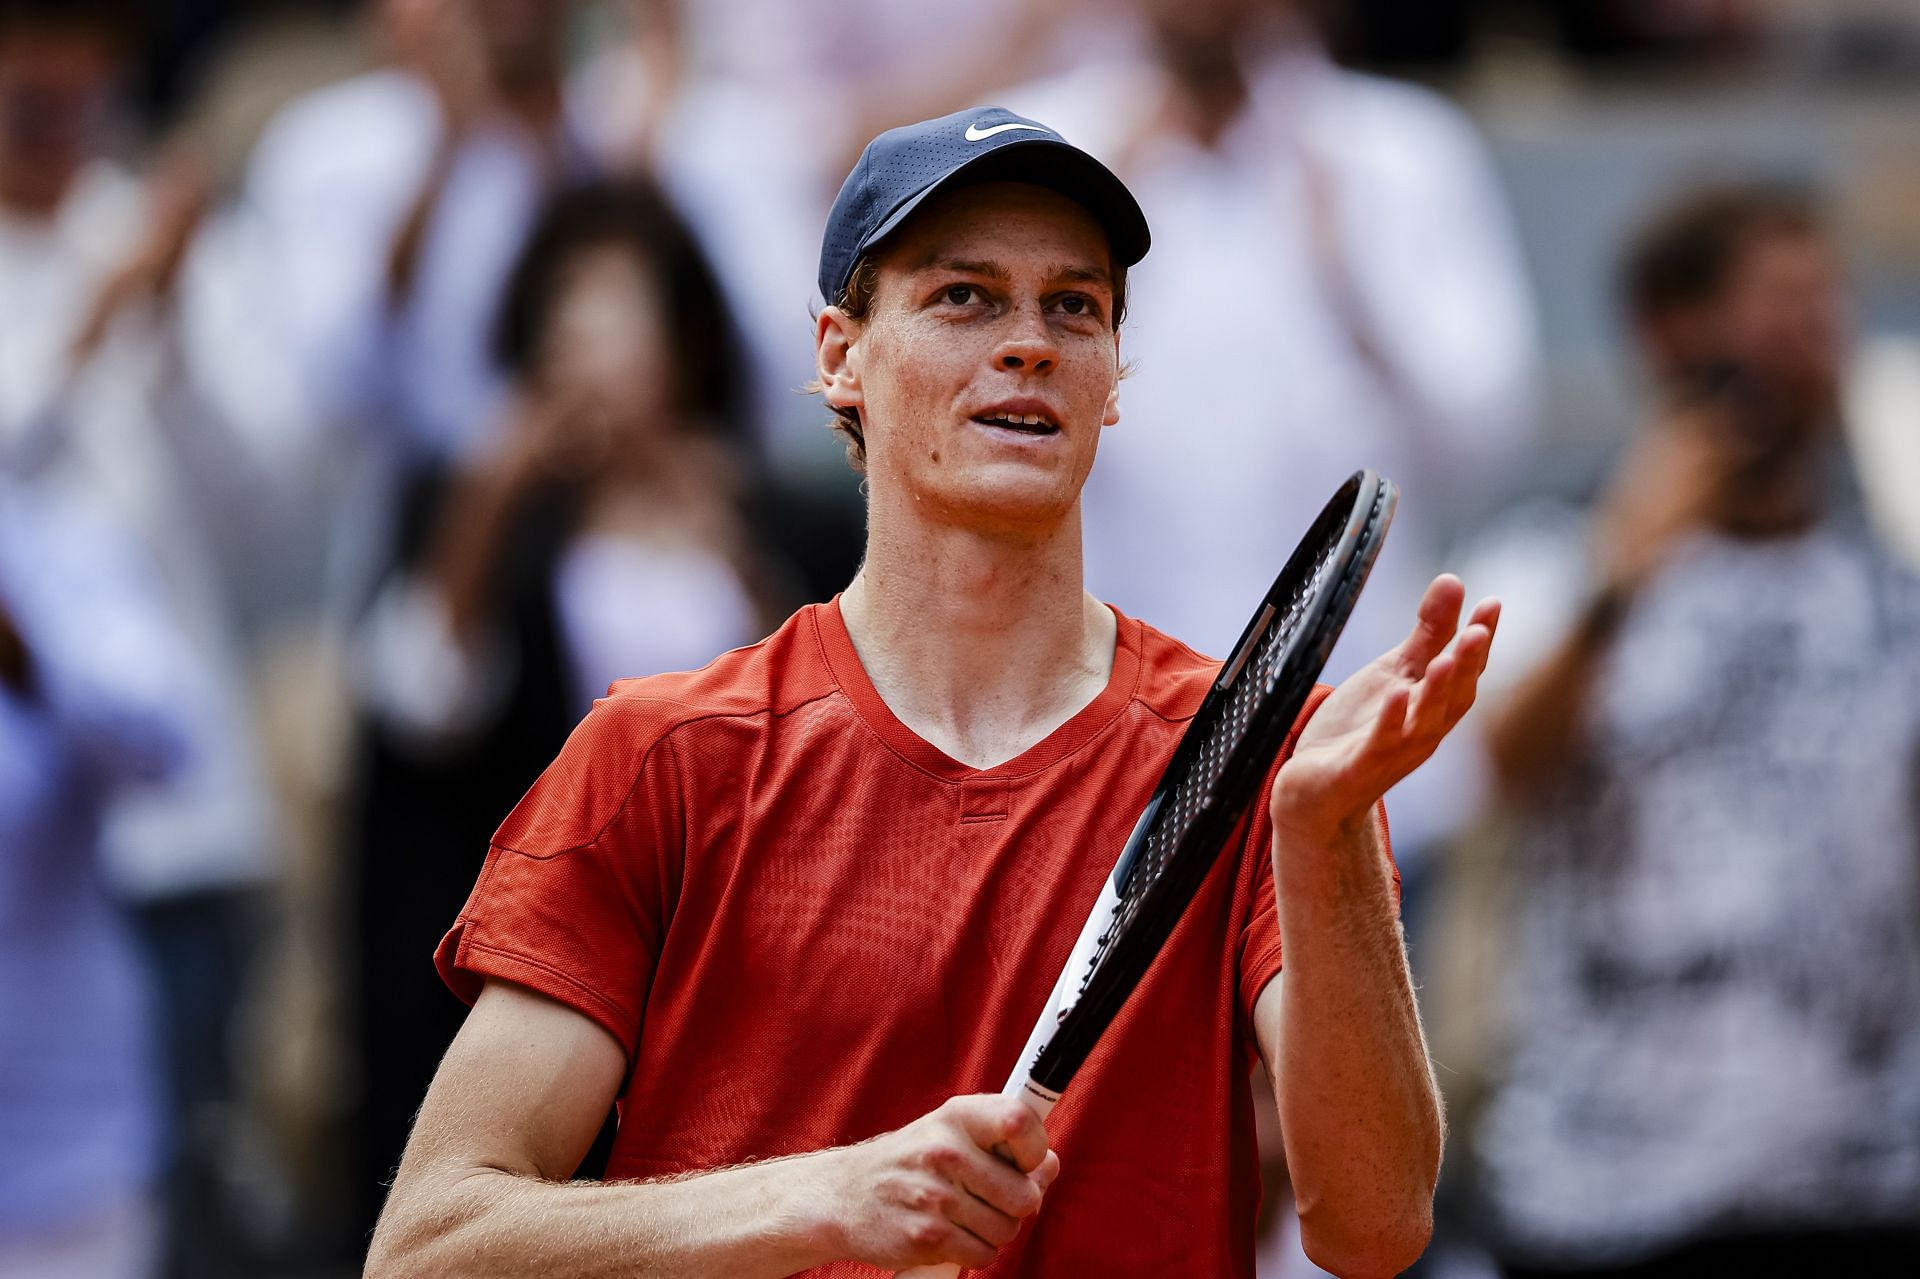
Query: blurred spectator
x,y
91,674
395,202
1333,285
762,107
98,403
1706,738
604,534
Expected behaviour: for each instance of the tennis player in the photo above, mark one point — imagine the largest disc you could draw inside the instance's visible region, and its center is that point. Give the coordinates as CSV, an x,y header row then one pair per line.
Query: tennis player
x,y
796,911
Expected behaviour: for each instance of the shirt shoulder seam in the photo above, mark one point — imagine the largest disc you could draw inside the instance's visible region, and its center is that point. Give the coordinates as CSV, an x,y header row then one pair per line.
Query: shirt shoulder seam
x,y
640,770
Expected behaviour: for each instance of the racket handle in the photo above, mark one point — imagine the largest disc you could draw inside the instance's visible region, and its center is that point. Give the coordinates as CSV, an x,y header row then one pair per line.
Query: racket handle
x,y
1041,1102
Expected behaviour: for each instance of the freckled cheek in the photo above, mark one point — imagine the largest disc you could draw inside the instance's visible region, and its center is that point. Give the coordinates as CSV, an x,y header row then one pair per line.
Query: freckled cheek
x,y
928,379
910,385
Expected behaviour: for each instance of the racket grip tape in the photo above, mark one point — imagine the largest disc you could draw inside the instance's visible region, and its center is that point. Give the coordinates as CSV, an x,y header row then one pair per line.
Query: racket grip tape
x,y
1040,1100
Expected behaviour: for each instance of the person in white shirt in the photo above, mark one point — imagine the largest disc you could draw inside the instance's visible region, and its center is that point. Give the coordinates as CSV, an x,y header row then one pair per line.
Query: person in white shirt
x,y
392,205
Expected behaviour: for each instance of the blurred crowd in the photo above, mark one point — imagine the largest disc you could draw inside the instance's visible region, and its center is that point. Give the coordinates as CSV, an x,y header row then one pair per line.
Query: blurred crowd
x,y
380,381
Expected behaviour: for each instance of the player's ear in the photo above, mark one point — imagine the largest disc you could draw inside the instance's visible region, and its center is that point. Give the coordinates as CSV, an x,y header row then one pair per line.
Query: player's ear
x,y
1111,417
836,359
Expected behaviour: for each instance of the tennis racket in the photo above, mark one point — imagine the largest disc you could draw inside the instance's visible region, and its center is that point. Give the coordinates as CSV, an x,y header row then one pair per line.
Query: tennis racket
x,y
1213,778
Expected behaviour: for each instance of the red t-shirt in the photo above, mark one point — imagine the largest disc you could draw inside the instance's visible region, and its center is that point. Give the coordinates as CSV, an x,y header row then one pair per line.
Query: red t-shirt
x,y
808,926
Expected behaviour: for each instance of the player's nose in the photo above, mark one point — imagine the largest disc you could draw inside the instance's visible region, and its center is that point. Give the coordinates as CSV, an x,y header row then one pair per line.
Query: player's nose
x,y
1028,343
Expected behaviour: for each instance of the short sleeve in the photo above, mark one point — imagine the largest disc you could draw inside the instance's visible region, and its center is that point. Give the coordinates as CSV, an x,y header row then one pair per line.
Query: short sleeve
x,y
579,883
1260,936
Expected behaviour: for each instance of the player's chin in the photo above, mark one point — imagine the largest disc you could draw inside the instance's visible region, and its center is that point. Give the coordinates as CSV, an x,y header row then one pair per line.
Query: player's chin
x,y
1016,497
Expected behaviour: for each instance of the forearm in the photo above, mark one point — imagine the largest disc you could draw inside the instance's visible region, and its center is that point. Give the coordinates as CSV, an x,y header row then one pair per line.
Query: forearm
x,y
1358,1106
756,1220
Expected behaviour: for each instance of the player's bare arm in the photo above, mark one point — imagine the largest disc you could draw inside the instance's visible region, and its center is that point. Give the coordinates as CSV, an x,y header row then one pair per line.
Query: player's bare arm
x,y
1339,1030
484,1187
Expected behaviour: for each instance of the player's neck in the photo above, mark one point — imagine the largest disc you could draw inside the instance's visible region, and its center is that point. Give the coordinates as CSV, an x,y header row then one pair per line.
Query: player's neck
x,y
981,645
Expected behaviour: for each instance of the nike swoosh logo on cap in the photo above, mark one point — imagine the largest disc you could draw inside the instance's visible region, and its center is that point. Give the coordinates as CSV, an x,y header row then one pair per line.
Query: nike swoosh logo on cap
x,y
977,134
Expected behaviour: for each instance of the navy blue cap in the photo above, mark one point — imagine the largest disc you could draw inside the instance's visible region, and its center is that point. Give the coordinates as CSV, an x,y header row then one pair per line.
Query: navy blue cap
x,y
902,167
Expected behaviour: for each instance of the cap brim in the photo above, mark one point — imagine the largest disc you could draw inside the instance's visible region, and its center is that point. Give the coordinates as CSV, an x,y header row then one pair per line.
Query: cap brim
x,y
1044,162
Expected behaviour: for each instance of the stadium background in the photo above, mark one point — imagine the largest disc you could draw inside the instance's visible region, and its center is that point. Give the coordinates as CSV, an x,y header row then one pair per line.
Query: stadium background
x,y
260,344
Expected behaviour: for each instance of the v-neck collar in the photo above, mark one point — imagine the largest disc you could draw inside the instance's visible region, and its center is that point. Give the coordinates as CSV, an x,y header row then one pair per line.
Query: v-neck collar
x,y
1085,724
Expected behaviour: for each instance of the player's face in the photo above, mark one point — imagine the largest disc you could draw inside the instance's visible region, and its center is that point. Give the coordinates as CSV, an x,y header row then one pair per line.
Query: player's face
x,y
988,362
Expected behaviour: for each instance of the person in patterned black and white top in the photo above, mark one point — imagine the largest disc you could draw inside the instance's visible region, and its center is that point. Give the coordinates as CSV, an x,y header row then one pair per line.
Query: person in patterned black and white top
x,y
1714,971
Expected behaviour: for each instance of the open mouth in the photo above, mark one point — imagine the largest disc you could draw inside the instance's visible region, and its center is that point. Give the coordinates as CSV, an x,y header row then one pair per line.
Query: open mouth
x,y
1024,423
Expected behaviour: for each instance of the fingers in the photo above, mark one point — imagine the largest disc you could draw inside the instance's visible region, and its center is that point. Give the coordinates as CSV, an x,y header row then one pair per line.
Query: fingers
x,y
993,1200
1049,1169
1446,687
991,1179
1476,647
1452,679
977,1226
942,1242
985,1169
1390,728
1003,1145
1437,618
1426,716
971,1204
991,1121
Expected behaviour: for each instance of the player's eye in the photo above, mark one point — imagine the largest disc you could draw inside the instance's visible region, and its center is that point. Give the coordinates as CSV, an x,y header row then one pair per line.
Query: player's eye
x,y
1078,304
961,294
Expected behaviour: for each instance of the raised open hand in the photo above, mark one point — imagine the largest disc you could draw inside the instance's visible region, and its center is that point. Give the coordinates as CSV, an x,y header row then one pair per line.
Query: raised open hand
x,y
1387,718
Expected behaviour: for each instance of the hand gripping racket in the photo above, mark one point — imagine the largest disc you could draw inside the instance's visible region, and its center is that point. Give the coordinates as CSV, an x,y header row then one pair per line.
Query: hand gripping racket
x,y
1213,779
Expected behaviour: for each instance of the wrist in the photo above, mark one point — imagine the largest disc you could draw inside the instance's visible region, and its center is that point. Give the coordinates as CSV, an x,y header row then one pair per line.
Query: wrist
x,y
812,1205
1322,873
1303,822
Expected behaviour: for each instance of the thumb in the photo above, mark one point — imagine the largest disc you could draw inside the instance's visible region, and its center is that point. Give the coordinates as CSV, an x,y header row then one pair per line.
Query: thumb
x,y
1049,1169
